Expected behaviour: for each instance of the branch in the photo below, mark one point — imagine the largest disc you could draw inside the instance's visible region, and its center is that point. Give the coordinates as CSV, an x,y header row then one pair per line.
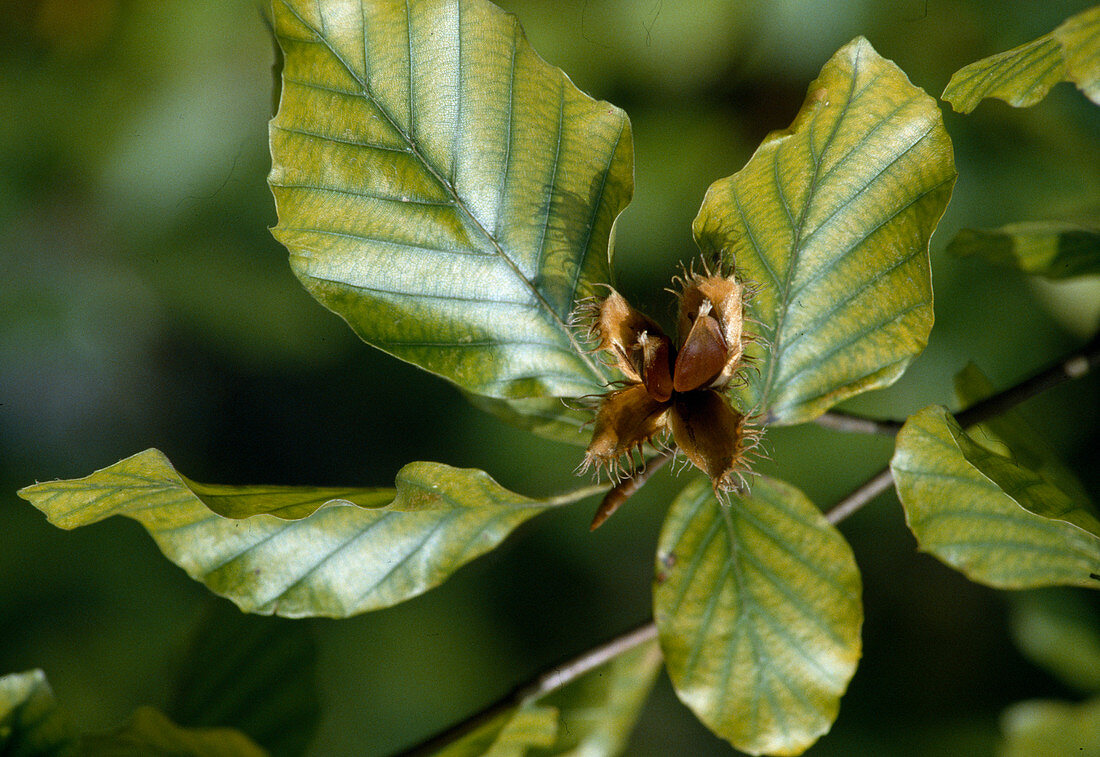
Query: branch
x,y
539,686
1075,366
838,420
863,494
574,496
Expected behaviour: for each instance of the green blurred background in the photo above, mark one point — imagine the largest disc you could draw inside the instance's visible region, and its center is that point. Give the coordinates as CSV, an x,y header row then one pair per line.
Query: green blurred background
x,y
144,303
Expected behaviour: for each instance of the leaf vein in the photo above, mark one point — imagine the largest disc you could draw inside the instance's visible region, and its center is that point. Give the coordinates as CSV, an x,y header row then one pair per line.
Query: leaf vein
x,y
392,242
819,359
423,295
856,244
851,295
592,218
338,140
553,180
367,195
783,294
409,553
551,313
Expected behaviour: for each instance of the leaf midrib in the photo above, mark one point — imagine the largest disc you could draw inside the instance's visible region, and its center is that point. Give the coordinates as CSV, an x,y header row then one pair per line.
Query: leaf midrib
x,y
457,201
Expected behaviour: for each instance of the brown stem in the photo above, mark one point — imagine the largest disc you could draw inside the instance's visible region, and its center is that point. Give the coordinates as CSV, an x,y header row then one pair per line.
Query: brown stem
x,y
1073,367
863,494
627,487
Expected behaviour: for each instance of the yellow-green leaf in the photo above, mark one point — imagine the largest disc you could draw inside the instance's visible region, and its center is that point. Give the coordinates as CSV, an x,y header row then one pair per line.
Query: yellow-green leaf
x,y
1043,728
445,190
597,711
591,716
509,734
301,551
1023,75
151,734
1034,476
30,722
757,605
1059,630
1052,249
968,521
1028,488
1027,445
831,221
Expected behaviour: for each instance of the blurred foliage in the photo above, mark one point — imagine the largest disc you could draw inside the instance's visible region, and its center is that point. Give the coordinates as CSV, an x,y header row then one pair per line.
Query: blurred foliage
x,y
1023,75
143,301
1054,250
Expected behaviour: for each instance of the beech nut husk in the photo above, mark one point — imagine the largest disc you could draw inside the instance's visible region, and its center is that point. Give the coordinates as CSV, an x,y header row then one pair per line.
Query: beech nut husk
x,y
671,395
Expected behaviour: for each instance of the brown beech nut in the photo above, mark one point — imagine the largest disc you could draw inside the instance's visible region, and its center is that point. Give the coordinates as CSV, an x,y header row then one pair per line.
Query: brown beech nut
x,y
703,355
620,330
723,299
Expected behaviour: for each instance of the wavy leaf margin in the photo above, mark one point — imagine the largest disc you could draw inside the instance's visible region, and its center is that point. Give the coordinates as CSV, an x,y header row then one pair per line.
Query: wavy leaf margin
x,y
303,551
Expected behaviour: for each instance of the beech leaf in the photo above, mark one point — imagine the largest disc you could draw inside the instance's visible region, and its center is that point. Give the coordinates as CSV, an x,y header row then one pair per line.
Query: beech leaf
x,y
1056,250
30,722
1059,630
1047,728
1011,533
150,734
445,190
302,551
1024,75
830,221
757,605
591,716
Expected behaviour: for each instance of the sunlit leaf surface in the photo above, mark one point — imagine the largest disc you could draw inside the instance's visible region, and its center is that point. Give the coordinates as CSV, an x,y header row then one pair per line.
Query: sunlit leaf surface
x,y
968,521
831,221
758,608
30,723
444,189
1045,248
1027,445
1028,488
1023,75
1031,473
297,551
